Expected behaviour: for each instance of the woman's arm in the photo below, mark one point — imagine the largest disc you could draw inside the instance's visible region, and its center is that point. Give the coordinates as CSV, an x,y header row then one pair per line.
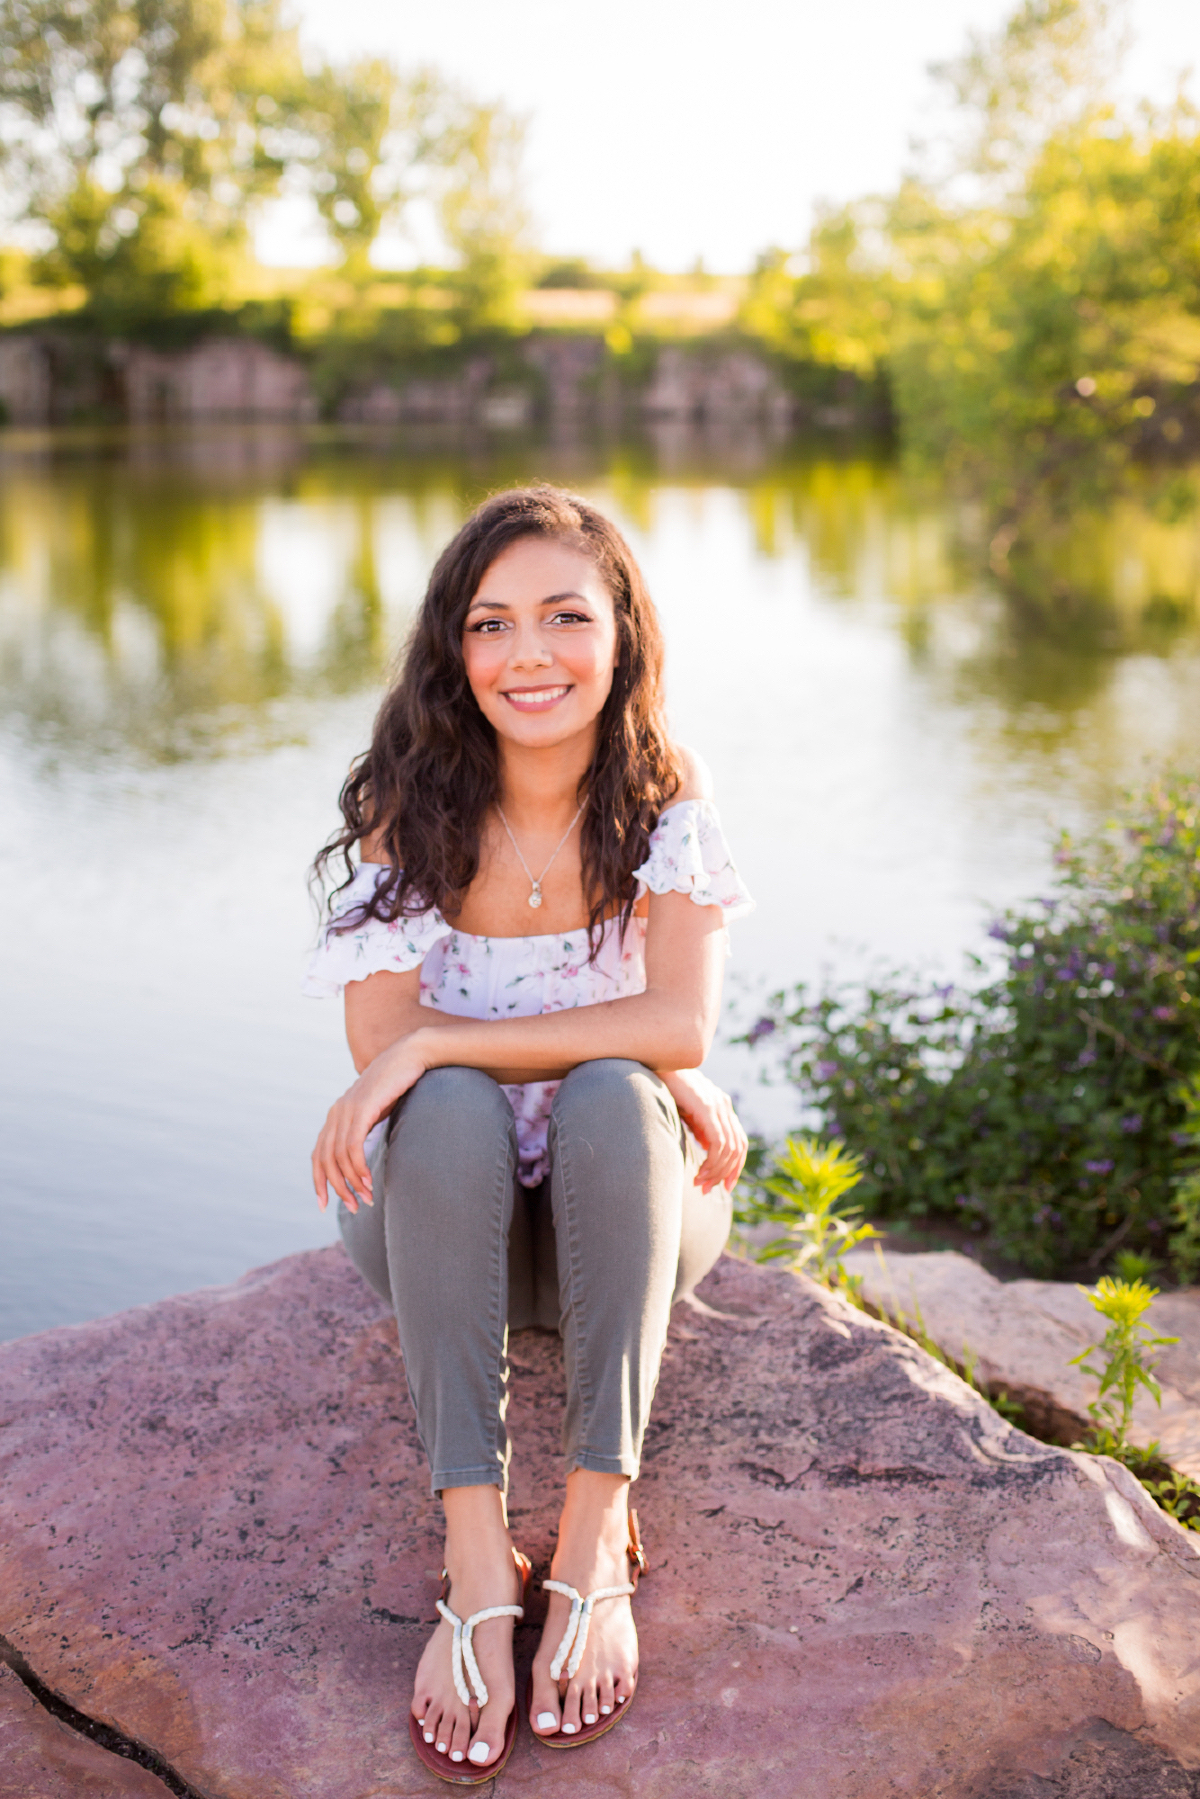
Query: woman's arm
x,y
394,1040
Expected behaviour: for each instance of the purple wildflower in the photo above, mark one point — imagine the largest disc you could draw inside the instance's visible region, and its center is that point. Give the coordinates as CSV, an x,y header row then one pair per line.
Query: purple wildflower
x,y
1132,1123
763,1027
1104,1166
825,1071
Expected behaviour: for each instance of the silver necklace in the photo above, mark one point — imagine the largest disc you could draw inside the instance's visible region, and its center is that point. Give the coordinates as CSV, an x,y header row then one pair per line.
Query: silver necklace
x,y
535,898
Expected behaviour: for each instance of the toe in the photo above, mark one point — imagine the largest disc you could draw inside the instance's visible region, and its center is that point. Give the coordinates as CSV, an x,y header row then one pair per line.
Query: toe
x,y
430,1722
604,1693
589,1705
570,1710
488,1738
544,1710
460,1736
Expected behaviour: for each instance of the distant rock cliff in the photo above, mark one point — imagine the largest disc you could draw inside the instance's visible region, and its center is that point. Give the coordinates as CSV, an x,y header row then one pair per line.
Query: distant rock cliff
x,y
548,379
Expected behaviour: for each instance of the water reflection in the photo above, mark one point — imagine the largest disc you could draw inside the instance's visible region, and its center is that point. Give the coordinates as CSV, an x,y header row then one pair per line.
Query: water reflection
x,y
161,593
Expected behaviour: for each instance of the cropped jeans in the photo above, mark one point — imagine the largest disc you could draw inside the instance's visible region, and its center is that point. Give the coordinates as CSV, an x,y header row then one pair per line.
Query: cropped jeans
x,y
599,1252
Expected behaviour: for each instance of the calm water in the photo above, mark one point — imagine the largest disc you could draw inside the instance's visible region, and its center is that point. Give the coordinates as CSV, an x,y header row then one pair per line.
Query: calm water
x,y
193,632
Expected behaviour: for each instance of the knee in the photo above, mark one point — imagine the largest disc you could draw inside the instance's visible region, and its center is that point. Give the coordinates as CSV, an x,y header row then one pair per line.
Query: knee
x,y
454,1119
610,1091
458,1098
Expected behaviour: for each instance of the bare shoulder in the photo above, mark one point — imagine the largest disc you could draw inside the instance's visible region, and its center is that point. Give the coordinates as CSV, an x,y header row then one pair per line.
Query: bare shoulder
x,y
695,782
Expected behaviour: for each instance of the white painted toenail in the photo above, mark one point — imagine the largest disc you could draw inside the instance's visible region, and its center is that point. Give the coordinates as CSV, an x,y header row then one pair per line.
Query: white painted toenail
x,y
606,1709
478,1752
589,1717
456,1755
546,1721
429,1736
441,1748
570,1729
620,1698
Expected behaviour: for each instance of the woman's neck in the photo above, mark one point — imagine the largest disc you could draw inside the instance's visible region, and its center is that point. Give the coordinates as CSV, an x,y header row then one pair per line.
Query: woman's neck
x,y
538,788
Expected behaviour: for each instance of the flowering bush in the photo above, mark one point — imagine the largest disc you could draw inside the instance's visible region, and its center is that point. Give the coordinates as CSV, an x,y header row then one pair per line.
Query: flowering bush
x,y
1051,1103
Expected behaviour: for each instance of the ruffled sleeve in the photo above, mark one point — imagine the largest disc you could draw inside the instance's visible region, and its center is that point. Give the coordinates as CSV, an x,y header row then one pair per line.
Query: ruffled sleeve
x,y
344,956
689,854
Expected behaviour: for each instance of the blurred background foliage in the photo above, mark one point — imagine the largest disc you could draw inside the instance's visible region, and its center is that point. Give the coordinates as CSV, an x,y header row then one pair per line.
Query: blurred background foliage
x,y
138,136
1029,297
1026,306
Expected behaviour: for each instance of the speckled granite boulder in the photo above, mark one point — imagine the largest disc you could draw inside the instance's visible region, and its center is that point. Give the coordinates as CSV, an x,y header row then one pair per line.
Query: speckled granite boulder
x,y
42,1759
218,1538
1025,1334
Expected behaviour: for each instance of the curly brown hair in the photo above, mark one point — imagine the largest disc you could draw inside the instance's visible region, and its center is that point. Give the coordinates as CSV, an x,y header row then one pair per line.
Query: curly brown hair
x,y
424,788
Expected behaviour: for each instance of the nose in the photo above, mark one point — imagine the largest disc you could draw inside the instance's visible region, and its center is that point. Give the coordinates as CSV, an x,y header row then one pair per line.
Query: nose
x,y
529,649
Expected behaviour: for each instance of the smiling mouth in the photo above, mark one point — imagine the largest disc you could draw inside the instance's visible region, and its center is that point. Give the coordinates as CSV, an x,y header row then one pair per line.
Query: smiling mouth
x,y
535,699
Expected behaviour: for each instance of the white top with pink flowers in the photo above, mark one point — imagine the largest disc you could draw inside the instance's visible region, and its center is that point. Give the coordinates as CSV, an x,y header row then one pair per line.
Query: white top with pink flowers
x,y
518,977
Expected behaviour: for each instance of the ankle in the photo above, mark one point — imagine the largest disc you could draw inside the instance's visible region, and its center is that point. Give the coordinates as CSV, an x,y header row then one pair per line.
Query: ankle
x,y
476,1530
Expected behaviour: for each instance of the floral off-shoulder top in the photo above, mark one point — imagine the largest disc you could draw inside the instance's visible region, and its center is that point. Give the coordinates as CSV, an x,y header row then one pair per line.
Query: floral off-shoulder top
x,y
518,977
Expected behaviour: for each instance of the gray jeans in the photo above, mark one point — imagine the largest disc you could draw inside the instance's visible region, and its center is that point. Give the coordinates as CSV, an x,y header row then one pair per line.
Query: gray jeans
x,y
599,1251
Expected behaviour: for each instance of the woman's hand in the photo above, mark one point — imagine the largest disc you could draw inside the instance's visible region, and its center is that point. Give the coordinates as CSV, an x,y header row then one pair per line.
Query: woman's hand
x,y
338,1160
710,1116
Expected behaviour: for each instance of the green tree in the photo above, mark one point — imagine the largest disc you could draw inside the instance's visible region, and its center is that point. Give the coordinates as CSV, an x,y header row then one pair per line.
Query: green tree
x,y
1047,69
139,136
838,310
481,207
131,132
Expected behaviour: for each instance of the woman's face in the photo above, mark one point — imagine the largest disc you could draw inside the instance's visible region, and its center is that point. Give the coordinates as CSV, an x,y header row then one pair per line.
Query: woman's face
x,y
540,643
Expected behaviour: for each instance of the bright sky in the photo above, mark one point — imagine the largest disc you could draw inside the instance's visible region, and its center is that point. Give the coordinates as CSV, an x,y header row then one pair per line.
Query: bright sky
x,y
697,127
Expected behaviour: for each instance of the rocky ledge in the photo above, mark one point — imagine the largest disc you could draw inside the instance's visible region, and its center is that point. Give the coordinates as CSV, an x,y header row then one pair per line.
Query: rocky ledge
x,y
1024,1336
217,1548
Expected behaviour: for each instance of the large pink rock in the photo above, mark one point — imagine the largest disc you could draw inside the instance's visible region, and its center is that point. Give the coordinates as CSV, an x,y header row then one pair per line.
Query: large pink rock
x,y
40,1758
218,1538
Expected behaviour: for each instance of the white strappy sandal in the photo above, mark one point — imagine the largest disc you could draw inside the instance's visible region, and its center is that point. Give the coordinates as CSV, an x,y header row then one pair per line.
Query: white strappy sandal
x,y
569,1653
465,1669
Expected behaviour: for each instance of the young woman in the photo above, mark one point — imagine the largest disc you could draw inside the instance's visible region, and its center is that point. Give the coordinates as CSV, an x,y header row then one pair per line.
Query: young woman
x,y
532,951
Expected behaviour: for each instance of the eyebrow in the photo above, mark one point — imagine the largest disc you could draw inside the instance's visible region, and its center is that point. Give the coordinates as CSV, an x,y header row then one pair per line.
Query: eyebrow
x,y
551,599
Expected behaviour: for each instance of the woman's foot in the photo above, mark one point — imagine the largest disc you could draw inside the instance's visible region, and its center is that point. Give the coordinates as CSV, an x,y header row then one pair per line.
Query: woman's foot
x,y
593,1536
479,1562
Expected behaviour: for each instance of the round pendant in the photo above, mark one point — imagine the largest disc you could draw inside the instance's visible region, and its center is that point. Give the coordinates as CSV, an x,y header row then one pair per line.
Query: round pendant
x,y
535,899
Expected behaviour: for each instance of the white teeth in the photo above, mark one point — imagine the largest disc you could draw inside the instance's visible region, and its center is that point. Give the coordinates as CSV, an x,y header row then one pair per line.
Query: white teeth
x,y
543,697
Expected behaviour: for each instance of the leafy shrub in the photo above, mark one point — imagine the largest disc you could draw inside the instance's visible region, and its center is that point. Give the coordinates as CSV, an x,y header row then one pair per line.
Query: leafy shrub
x,y
1054,1099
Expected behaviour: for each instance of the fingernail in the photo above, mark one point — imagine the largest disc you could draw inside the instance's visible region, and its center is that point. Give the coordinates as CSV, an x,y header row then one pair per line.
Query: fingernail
x,y
570,1729
589,1717
546,1721
456,1755
429,1736
478,1752
606,1709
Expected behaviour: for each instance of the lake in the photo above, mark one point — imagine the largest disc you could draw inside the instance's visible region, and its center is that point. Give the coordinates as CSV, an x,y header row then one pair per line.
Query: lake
x,y
194,629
